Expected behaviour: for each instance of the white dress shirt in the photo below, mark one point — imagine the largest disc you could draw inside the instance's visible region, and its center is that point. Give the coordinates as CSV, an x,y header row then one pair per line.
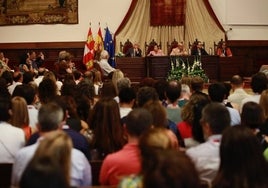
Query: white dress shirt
x,y
206,157
80,167
106,67
11,140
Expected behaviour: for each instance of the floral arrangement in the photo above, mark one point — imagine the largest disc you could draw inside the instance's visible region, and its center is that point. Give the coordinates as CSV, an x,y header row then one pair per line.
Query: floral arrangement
x,y
120,54
179,69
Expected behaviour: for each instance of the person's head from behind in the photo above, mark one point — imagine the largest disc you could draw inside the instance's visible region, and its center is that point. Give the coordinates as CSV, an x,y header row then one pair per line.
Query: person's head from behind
x,y
217,92
20,116
50,165
197,84
5,109
50,116
150,142
215,118
236,81
158,113
123,83
172,169
242,162
258,82
146,94
127,95
252,115
26,91
173,91
138,121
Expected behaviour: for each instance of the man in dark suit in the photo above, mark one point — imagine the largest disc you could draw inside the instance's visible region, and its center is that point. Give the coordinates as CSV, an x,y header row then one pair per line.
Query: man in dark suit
x,y
198,49
135,51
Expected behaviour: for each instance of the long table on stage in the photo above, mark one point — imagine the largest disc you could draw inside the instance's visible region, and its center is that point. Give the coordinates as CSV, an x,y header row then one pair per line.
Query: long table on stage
x,y
217,68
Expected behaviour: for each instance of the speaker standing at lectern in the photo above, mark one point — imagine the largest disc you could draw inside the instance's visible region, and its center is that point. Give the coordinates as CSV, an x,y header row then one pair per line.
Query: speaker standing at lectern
x,y
135,51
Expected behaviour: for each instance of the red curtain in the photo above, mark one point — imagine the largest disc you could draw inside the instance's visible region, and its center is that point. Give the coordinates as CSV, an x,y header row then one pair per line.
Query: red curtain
x,y
167,12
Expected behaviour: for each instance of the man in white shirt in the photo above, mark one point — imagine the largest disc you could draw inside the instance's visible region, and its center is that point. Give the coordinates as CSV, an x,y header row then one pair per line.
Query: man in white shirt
x,y
11,138
238,92
105,66
217,92
258,84
50,118
215,118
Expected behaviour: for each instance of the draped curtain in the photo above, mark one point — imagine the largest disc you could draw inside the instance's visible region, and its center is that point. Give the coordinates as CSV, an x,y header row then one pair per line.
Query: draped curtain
x,y
200,23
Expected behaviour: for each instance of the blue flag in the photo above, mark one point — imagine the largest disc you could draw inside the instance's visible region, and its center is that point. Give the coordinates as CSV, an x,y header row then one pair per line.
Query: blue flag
x,y
109,46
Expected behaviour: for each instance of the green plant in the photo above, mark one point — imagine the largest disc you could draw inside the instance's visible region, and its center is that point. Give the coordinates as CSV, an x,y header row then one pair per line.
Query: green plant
x,y
180,68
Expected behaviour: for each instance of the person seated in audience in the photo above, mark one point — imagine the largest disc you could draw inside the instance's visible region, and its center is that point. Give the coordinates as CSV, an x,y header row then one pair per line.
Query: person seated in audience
x,y
252,116
197,84
242,163
173,92
179,50
107,129
157,159
117,165
185,95
20,116
160,120
36,61
3,63
156,51
190,128
12,138
216,92
223,50
258,85
215,118
30,95
238,92
105,66
127,98
135,51
198,49
50,119
17,80
50,165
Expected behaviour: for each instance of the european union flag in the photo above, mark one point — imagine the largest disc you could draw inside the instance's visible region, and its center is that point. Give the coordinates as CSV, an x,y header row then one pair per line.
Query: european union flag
x,y
109,46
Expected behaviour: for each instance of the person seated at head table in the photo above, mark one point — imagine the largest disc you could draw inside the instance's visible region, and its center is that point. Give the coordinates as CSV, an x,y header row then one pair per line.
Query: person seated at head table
x,y
198,49
223,50
135,51
156,51
179,50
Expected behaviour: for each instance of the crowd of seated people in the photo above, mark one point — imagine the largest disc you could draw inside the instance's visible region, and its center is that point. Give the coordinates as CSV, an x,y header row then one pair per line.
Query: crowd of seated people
x,y
128,128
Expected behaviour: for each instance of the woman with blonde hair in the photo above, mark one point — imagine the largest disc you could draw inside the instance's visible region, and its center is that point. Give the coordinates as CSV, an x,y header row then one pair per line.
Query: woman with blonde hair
x,y
55,148
20,116
117,75
162,165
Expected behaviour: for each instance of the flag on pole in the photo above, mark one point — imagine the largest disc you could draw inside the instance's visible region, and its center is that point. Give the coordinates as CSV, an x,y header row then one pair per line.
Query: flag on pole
x,y
109,46
89,51
99,41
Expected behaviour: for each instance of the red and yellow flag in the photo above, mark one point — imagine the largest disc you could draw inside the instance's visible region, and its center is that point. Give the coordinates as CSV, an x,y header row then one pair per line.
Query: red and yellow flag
x,y
99,41
89,51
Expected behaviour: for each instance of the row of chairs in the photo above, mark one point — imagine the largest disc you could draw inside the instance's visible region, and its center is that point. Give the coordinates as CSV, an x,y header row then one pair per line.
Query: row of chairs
x,y
149,46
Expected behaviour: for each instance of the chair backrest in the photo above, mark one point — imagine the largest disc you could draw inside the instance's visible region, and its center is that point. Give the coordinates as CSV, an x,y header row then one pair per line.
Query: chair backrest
x,y
124,47
149,47
172,45
5,174
95,168
194,44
